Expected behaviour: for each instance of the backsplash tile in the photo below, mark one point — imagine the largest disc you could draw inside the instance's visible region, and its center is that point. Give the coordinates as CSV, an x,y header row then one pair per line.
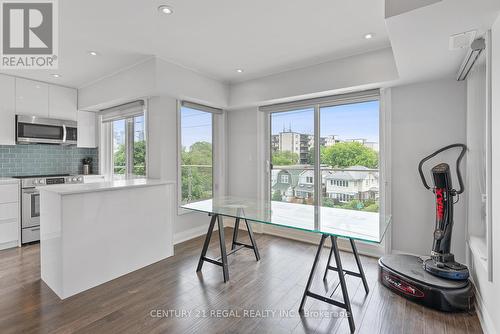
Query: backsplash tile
x,y
44,159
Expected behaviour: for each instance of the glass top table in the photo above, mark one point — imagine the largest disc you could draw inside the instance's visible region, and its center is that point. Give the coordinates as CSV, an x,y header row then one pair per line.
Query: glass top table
x,y
345,223
328,222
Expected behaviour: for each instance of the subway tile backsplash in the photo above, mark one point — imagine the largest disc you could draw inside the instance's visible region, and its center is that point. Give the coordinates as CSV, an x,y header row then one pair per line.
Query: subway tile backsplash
x,y
44,159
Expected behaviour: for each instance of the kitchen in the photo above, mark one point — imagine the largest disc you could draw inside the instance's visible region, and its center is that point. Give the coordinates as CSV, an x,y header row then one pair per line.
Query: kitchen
x,y
48,147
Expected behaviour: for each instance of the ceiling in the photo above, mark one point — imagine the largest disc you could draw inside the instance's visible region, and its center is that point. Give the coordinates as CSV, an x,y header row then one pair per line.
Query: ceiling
x,y
420,37
211,37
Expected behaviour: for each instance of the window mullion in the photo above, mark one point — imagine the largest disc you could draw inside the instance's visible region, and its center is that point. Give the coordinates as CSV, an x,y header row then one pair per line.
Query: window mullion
x,y
129,136
317,157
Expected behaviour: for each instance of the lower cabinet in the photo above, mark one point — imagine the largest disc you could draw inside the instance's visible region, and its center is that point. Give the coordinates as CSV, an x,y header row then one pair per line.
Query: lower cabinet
x,y
10,224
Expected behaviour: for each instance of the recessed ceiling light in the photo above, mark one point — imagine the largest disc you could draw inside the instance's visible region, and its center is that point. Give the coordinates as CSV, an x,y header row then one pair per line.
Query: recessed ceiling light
x,y
165,9
56,75
369,36
92,53
239,70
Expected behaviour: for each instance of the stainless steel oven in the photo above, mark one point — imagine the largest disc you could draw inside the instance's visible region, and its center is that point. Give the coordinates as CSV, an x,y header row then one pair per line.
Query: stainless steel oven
x,y
30,219
37,130
30,202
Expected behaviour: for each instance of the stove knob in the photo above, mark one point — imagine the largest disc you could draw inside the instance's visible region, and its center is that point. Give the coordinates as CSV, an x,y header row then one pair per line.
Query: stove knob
x,y
41,181
35,182
80,179
74,179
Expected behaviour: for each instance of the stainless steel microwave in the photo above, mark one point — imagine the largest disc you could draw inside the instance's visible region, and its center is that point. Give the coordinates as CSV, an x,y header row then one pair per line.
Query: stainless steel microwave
x,y
38,130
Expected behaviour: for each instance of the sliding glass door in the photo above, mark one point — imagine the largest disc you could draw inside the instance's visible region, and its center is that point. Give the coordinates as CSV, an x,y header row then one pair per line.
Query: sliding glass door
x,y
326,155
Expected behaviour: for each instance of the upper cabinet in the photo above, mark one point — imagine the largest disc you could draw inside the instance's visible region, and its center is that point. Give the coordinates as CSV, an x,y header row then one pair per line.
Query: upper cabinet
x,y
62,103
87,129
7,110
32,98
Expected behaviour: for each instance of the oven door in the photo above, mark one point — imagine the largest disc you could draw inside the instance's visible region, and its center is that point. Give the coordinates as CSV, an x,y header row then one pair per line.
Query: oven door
x,y
30,208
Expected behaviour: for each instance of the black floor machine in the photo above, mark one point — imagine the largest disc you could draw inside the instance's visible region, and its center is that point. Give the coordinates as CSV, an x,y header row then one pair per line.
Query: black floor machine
x,y
439,282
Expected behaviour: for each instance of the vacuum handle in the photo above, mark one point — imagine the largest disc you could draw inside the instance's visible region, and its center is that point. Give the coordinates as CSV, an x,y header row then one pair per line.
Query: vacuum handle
x,y
459,175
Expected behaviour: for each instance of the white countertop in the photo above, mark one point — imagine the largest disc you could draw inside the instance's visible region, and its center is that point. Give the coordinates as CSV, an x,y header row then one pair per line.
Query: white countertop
x,y
68,189
8,180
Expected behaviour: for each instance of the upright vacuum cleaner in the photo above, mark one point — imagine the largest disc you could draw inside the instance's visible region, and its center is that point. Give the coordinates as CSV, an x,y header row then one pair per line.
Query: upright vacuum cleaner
x,y
438,282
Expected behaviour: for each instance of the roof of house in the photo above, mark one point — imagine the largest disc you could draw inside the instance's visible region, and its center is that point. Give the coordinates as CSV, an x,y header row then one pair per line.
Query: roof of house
x,y
294,173
352,174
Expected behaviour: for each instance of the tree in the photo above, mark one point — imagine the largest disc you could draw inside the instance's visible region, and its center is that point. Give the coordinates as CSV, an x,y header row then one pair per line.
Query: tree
x,y
348,154
328,202
139,159
310,155
196,171
285,158
277,196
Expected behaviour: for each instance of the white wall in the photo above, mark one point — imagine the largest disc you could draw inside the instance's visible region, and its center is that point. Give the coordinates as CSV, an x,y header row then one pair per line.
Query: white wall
x,y
242,152
162,159
489,292
153,77
425,117
362,71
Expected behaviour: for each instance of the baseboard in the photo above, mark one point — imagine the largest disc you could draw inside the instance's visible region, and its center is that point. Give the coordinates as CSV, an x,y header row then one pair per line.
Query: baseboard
x,y
484,317
10,244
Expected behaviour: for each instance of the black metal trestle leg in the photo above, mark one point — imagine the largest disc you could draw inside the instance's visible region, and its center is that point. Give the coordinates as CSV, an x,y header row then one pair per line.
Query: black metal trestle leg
x,y
206,243
235,242
343,286
346,304
222,240
360,267
360,273
313,269
222,261
235,233
235,245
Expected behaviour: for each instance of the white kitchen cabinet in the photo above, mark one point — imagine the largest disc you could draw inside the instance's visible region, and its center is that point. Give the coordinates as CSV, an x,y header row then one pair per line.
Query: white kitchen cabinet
x,y
10,226
32,98
87,129
7,110
62,103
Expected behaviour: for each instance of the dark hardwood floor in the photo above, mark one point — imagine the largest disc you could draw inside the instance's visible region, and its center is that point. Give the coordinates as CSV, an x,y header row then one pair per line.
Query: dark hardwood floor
x,y
144,301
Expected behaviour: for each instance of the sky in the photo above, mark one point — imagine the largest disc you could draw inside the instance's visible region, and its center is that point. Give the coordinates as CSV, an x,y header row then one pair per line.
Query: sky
x,y
360,120
195,126
119,131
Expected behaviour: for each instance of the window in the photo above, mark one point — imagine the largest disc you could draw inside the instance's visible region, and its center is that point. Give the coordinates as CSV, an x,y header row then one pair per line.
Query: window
x,y
129,147
196,152
346,131
123,147
284,178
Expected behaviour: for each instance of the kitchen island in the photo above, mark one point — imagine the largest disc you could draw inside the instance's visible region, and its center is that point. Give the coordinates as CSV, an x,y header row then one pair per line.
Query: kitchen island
x,y
93,233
